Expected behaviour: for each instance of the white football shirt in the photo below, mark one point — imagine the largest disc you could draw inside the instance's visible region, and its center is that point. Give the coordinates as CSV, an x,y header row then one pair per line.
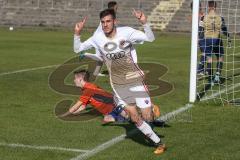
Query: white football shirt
x,y
118,52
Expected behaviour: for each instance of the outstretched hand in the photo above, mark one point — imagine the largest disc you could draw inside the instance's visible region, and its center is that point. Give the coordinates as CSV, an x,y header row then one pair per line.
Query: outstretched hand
x,y
79,26
229,43
140,16
65,114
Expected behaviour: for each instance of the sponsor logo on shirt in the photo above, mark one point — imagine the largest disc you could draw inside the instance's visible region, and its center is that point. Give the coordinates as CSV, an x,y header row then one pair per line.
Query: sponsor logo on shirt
x,y
146,101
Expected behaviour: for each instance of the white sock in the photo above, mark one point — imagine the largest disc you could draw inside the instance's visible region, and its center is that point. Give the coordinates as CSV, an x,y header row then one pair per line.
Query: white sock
x,y
147,130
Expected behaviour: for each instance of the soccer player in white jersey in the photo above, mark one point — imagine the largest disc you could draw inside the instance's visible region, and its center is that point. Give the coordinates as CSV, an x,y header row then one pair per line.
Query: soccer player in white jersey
x,y
111,5
115,46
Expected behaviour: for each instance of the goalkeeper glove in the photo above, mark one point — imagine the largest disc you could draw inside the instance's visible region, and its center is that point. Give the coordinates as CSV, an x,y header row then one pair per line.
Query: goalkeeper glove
x,y
229,43
81,56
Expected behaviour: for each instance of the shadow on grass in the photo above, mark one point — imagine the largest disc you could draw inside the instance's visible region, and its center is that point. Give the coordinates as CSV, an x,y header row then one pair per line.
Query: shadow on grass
x,y
134,134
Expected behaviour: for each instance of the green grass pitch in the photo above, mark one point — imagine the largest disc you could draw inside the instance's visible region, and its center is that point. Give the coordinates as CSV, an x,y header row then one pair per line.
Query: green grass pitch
x,y
207,131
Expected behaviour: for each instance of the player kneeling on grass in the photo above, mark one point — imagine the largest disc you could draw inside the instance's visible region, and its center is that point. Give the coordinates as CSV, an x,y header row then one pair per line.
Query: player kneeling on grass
x,y
99,99
96,97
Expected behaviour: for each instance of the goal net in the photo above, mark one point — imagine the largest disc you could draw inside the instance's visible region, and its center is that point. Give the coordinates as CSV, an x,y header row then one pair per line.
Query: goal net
x,y
222,84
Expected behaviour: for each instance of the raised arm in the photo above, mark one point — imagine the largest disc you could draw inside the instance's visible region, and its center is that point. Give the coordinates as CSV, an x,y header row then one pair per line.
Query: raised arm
x,y
79,46
224,28
147,35
201,28
226,33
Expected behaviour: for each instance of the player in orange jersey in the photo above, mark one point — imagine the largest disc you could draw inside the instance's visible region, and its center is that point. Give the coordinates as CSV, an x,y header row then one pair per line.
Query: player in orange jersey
x,y
100,99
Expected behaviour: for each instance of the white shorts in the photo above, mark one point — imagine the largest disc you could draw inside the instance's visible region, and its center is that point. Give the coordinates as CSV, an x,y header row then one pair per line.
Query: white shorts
x,y
134,93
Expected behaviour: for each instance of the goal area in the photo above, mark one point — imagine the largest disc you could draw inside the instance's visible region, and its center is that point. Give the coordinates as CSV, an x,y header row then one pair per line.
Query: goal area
x,y
223,87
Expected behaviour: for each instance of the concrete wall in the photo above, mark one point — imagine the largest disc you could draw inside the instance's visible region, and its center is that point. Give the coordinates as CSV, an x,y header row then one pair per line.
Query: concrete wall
x,y
229,9
65,13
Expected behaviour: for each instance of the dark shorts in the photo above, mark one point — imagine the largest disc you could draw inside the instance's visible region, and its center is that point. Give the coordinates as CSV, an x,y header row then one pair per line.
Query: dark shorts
x,y
213,46
201,44
116,113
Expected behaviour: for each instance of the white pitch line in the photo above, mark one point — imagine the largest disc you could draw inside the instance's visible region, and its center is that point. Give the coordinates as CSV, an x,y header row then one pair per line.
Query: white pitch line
x,y
89,153
175,112
120,138
17,145
220,92
100,148
165,117
26,70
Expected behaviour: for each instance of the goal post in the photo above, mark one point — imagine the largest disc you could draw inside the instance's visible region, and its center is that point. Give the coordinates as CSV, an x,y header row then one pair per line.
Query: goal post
x,y
216,74
194,51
